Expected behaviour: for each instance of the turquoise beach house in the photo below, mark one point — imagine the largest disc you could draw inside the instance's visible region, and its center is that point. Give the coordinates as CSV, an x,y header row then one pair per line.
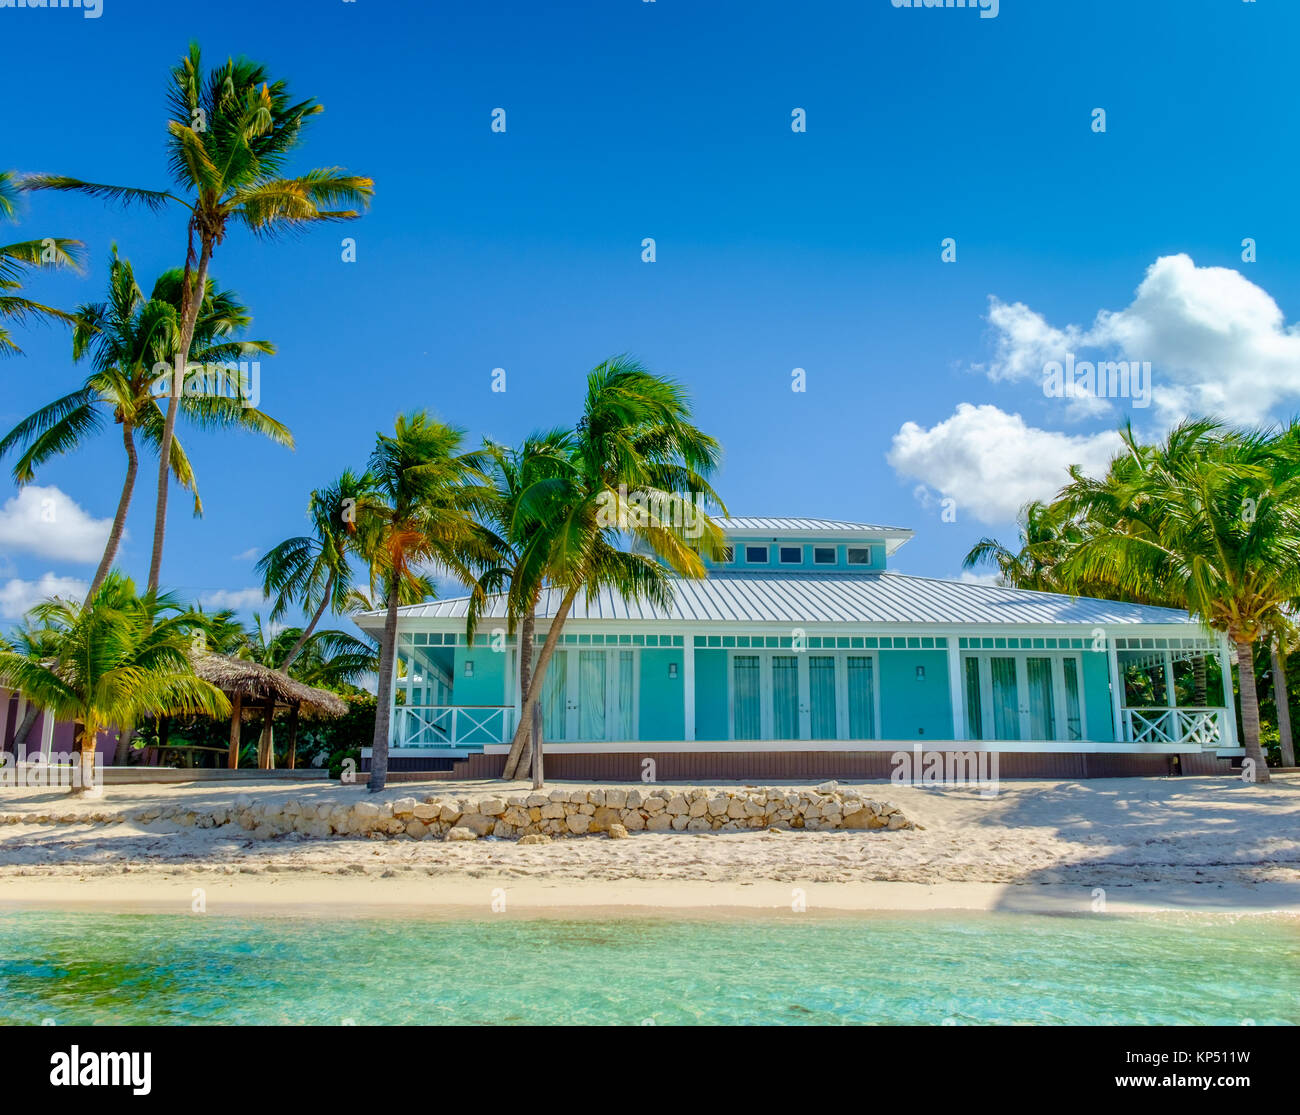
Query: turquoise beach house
x,y
804,654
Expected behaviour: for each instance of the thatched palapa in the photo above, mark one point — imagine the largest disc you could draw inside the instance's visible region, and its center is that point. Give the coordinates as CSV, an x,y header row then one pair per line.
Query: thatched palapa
x,y
253,686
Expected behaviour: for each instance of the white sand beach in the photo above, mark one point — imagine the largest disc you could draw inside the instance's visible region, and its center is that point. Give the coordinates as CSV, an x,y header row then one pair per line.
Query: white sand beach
x,y
1204,844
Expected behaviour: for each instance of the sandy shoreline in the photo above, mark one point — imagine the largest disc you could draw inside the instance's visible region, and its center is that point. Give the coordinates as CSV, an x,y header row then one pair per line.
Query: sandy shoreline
x,y
465,897
1192,844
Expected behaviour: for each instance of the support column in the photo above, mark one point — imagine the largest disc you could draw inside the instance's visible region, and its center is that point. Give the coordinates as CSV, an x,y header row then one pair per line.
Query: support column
x,y
688,687
47,733
236,719
4,718
1230,735
1171,693
1116,688
956,692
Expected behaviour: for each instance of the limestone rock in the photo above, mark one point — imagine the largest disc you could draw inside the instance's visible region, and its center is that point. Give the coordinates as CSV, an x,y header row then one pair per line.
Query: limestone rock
x,y
616,832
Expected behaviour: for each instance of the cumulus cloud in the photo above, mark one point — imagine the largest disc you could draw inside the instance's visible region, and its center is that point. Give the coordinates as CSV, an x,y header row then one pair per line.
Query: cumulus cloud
x,y
990,579
1217,343
17,597
992,463
237,599
251,554
46,522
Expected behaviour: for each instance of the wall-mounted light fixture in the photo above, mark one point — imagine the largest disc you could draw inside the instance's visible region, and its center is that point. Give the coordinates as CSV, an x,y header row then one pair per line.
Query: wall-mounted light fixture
x,y
920,673
672,669
469,667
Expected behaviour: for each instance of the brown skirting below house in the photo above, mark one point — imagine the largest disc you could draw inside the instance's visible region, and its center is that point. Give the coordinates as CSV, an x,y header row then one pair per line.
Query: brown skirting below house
x,y
779,766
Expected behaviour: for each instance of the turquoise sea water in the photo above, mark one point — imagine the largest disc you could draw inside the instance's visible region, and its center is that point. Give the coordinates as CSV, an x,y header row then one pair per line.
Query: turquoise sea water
x,y
932,969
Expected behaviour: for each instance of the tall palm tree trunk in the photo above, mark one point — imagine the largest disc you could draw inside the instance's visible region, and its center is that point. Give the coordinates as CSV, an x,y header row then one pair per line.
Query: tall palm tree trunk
x,y
1199,696
193,300
1250,709
236,723
1283,702
87,773
119,519
535,685
306,634
384,697
527,630
25,726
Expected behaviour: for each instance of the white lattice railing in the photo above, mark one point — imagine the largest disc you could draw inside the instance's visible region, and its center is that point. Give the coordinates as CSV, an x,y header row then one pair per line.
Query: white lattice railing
x,y
451,725
1198,727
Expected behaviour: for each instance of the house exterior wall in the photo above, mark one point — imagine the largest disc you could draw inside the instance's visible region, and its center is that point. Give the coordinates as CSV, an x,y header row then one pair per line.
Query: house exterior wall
x,y
663,702
488,685
912,709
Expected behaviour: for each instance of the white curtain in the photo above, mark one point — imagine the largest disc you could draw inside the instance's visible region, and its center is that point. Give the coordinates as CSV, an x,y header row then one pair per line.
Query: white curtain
x,y
747,714
821,695
625,695
1042,711
974,701
862,699
1073,720
1006,699
591,694
785,696
555,690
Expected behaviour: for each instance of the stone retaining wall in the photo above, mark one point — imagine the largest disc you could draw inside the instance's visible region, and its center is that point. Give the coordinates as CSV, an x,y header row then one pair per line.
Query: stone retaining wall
x,y
532,817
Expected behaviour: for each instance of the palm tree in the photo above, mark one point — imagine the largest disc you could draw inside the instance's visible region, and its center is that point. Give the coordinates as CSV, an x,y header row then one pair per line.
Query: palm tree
x,y
635,445
229,137
115,660
1044,535
14,258
1281,640
521,543
37,644
327,659
420,514
1210,516
314,571
126,337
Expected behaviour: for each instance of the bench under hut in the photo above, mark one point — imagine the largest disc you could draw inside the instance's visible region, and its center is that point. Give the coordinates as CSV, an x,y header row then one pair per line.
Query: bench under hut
x,y
254,688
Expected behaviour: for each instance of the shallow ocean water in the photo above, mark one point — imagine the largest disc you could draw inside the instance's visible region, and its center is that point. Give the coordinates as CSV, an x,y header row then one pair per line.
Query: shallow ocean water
x,y
933,969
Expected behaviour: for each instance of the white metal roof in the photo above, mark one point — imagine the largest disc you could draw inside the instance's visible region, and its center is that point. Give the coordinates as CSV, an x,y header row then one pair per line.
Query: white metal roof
x,y
811,598
747,523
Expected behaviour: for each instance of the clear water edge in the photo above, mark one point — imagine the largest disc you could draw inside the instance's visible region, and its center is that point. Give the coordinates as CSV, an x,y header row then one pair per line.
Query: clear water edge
x,y
954,968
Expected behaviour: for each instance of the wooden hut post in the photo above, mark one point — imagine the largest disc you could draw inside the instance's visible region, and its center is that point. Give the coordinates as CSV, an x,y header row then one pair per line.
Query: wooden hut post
x,y
232,760
293,736
266,745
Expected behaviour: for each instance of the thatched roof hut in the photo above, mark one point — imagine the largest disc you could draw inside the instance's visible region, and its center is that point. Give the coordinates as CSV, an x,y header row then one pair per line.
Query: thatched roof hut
x,y
252,687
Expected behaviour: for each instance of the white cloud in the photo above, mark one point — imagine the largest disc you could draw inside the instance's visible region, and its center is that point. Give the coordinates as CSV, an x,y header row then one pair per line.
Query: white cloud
x,y
248,555
992,578
238,599
47,522
1218,344
991,462
17,597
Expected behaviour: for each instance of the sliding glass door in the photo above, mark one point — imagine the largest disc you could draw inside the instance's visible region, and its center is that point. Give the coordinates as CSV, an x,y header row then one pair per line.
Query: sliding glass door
x,y
1018,696
590,695
778,695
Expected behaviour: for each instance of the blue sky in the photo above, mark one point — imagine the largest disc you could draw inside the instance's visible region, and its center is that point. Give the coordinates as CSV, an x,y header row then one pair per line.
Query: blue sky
x,y
775,250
